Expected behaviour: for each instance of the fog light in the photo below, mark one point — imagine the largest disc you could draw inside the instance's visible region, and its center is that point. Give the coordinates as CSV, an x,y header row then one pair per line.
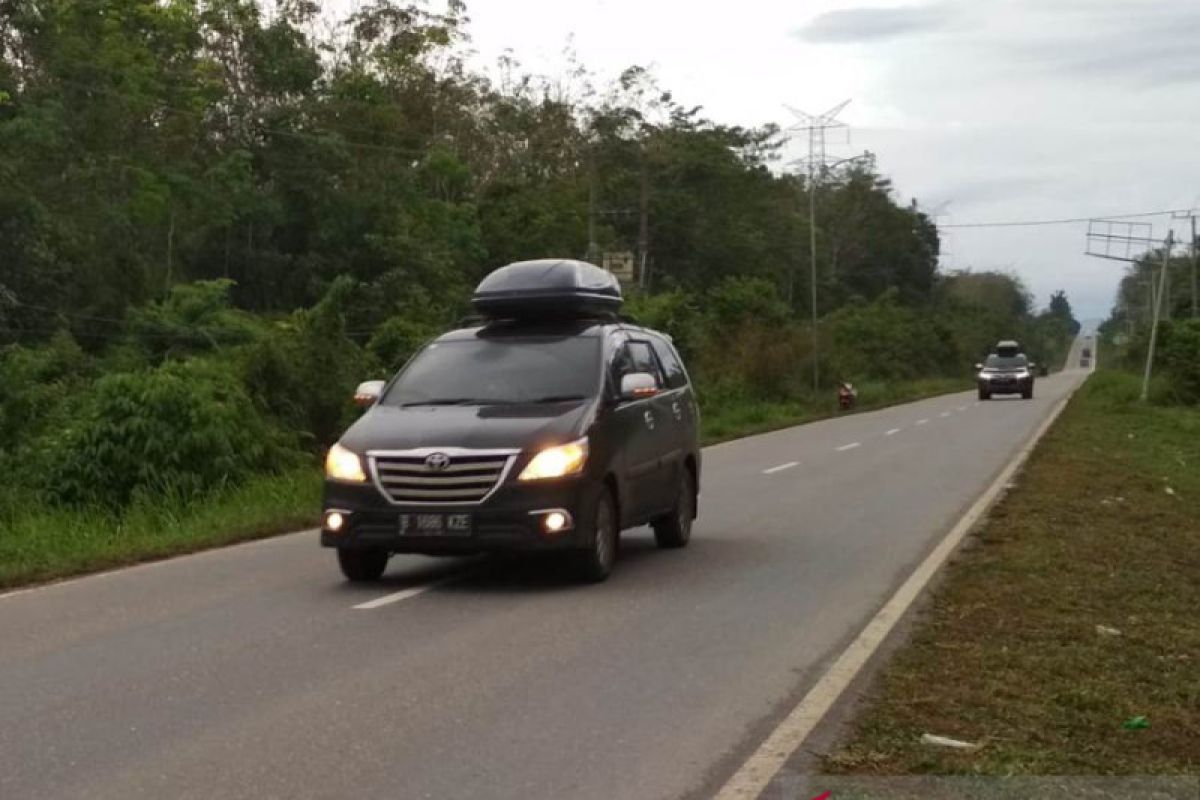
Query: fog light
x,y
334,521
555,521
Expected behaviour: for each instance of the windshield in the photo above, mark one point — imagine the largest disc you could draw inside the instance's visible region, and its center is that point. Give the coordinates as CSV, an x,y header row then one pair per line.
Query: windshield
x,y
500,371
1006,362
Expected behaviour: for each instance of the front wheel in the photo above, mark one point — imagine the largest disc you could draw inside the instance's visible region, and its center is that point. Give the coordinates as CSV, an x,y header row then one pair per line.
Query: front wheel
x,y
1027,393
675,529
362,566
595,563
984,394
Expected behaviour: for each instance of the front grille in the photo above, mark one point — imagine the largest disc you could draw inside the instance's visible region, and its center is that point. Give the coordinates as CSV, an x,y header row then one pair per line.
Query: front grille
x,y
458,478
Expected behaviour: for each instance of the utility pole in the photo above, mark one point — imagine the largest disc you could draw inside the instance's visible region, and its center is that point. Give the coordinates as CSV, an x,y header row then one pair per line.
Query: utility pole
x,y
815,126
1162,285
643,222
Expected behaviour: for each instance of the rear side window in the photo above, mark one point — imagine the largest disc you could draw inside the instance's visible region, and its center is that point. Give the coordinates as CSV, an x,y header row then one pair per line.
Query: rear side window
x,y
676,376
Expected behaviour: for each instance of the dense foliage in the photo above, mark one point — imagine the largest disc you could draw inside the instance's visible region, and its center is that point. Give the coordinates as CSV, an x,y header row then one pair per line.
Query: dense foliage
x,y
1127,330
218,215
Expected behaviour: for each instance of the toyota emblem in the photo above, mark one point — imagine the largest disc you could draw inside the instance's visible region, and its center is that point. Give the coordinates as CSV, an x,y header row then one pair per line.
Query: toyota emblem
x,y
436,462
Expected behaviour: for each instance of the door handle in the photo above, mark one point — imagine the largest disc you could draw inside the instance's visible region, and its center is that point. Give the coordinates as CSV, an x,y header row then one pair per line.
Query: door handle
x,y
678,411
649,417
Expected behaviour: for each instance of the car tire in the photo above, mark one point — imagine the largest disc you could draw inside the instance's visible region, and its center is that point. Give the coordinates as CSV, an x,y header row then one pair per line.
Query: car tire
x,y
985,395
595,564
673,530
1027,393
362,566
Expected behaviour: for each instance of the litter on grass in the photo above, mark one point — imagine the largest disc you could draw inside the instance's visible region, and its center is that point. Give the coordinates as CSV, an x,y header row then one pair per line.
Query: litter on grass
x,y
945,741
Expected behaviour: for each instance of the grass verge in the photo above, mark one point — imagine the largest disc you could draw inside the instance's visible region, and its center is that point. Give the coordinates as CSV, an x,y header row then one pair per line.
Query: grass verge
x,y
1064,640
47,544
738,417
44,544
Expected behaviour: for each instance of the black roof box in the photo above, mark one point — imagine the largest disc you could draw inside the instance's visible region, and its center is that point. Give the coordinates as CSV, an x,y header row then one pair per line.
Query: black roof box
x,y
549,287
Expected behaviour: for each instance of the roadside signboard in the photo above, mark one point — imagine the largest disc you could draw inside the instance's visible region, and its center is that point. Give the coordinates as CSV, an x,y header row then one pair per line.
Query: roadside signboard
x,y
620,264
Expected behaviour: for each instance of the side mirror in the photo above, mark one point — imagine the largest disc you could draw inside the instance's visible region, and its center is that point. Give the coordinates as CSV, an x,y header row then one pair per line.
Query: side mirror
x,y
1032,364
368,392
978,367
638,385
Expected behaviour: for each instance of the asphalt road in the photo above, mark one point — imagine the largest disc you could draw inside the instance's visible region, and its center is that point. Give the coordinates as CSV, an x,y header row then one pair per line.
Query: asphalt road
x,y
249,672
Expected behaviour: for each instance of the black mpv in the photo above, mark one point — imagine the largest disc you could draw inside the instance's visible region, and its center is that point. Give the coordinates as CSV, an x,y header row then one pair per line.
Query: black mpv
x,y
552,425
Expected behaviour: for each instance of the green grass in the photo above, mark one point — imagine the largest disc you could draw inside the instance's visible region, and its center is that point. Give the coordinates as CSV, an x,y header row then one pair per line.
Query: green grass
x,y
1008,653
733,418
45,544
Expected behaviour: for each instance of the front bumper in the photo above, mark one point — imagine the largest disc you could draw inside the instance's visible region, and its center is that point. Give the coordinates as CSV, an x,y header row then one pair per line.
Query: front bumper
x,y
1006,385
504,522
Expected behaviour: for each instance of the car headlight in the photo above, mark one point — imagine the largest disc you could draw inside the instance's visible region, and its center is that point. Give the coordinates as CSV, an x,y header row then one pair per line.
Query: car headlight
x,y
343,465
557,462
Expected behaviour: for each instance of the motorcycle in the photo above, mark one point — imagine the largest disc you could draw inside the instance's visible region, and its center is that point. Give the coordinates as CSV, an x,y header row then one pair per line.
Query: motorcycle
x,y
847,396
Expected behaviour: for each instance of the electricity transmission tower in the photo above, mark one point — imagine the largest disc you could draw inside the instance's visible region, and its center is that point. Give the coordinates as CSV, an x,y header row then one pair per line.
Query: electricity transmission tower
x,y
1132,242
816,165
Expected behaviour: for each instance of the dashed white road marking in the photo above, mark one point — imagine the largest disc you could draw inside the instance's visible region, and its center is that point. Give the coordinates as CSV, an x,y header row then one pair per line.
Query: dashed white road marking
x,y
850,446
922,422
892,432
780,468
412,591
944,414
962,408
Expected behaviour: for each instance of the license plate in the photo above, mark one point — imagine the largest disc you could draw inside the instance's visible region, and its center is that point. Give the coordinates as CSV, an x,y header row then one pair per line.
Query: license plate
x,y
435,524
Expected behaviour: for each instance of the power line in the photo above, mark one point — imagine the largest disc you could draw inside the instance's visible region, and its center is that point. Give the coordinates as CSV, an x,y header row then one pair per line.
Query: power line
x,y
1063,221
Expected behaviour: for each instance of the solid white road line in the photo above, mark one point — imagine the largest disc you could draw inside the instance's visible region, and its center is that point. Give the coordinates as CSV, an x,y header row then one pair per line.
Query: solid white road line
x,y
922,422
780,468
892,432
412,591
755,775
850,446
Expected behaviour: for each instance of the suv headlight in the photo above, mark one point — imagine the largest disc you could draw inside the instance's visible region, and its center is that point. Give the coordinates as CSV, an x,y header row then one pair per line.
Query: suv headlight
x,y
343,465
557,462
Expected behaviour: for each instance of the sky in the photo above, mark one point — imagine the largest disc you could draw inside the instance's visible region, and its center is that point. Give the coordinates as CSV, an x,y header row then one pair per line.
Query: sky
x,y
1004,110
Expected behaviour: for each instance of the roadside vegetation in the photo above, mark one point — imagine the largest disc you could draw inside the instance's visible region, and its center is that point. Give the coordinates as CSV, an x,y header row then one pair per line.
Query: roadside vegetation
x,y
1063,639
218,217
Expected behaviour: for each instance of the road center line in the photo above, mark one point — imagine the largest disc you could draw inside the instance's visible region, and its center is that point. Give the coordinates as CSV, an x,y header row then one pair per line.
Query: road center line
x,y
892,432
922,422
850,446
412,591
780,468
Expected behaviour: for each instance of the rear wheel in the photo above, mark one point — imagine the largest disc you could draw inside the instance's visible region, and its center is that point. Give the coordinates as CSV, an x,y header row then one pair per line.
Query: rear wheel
x,y
362,566
675,529
596,562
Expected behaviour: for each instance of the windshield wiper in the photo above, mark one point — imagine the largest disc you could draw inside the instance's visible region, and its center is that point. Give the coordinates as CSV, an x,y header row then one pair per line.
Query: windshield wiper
x,y
457,401
444,401
558,398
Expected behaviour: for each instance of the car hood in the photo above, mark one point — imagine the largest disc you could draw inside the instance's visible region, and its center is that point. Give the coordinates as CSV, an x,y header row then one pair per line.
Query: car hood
x,y
508,427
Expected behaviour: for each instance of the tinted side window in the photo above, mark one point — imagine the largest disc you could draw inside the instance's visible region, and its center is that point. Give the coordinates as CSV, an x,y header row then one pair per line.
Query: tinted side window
x,y
636,357
676,377
645,360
